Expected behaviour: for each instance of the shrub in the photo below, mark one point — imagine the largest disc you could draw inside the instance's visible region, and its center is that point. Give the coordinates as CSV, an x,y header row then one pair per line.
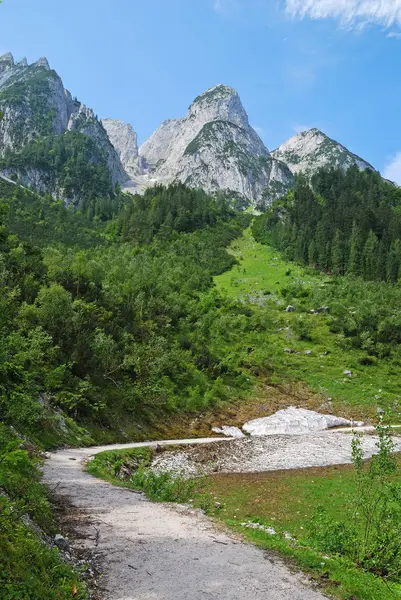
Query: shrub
x,y
164,487
369,534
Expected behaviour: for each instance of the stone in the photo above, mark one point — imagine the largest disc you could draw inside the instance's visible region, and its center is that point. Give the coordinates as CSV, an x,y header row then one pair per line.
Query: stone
x,y
265,528
290,309
294,421
288,351
308,352
348,373
234,432
62,543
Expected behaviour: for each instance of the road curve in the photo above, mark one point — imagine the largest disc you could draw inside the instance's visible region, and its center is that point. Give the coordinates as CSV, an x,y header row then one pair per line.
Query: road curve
x,y
165,552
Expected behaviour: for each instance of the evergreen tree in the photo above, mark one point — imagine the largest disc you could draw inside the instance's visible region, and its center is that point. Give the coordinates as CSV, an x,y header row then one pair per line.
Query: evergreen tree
x,y
354,265
370,257
337,254
312,254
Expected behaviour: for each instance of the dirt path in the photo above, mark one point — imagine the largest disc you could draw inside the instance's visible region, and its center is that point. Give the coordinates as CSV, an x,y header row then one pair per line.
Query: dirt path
x,y
161,552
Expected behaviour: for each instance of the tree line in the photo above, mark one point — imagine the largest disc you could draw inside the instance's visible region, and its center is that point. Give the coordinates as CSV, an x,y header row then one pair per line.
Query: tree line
x,y
345,223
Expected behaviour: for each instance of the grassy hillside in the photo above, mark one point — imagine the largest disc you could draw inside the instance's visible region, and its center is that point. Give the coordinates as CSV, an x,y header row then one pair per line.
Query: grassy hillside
x,y
270,283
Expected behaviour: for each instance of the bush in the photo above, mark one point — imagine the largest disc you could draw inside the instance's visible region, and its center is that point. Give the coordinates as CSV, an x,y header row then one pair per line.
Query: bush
x,y
164,487
370,532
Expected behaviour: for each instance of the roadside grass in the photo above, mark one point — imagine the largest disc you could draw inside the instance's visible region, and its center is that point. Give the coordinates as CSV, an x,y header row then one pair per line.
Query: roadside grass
x,y
108,465
29,568
266,280
285,501
128,468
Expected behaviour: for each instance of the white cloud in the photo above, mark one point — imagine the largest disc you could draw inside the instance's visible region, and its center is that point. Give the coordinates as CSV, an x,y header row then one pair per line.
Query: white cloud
x,y
348,12
392,170
394,34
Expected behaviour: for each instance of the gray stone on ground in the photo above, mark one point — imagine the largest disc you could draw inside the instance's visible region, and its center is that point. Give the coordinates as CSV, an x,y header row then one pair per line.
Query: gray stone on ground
x,y
62,543
228,431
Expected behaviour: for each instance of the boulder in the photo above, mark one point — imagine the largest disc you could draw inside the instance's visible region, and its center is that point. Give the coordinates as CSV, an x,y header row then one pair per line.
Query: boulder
x,y
62,543
234,432
290,309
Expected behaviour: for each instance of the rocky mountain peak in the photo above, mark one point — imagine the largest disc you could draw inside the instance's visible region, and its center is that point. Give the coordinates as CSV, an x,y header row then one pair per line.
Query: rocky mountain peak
x,y
219,103
42,62
311,150
215,148
216,93
7,60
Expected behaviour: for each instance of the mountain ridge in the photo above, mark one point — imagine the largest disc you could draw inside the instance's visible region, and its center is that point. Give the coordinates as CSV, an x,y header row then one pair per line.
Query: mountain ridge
x,y
213,146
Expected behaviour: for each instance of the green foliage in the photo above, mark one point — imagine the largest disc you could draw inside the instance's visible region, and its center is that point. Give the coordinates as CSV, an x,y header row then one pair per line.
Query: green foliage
x,y
31,96
72,162
164,212
41,220
117,465
370,529
28,568
163,487
345,223
366,313
117,331
130,469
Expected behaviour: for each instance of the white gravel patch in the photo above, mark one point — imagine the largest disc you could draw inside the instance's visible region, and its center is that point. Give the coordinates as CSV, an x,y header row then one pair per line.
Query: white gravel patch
x,y
269,453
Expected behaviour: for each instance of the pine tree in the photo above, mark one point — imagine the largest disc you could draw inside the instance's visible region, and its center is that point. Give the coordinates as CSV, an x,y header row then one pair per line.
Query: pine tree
x,y
354,266
370,252
312,254
337,254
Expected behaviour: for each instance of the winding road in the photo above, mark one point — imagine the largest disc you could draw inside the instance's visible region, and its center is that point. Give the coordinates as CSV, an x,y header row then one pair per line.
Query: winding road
x,y
154,551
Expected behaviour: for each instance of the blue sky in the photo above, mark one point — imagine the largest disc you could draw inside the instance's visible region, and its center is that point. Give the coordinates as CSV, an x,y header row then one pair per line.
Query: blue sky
x,y
332,64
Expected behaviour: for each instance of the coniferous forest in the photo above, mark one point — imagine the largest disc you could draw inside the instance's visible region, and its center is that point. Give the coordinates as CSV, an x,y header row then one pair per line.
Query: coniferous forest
x,y
344,223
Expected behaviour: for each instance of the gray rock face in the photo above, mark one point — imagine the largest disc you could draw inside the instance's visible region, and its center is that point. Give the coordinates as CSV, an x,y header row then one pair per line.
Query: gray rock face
x,y
84,120
35,103
312,150
215,148
155,150
124,139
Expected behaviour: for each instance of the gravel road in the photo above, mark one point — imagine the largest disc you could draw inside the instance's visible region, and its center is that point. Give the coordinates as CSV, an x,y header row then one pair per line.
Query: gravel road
x,y
165,552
